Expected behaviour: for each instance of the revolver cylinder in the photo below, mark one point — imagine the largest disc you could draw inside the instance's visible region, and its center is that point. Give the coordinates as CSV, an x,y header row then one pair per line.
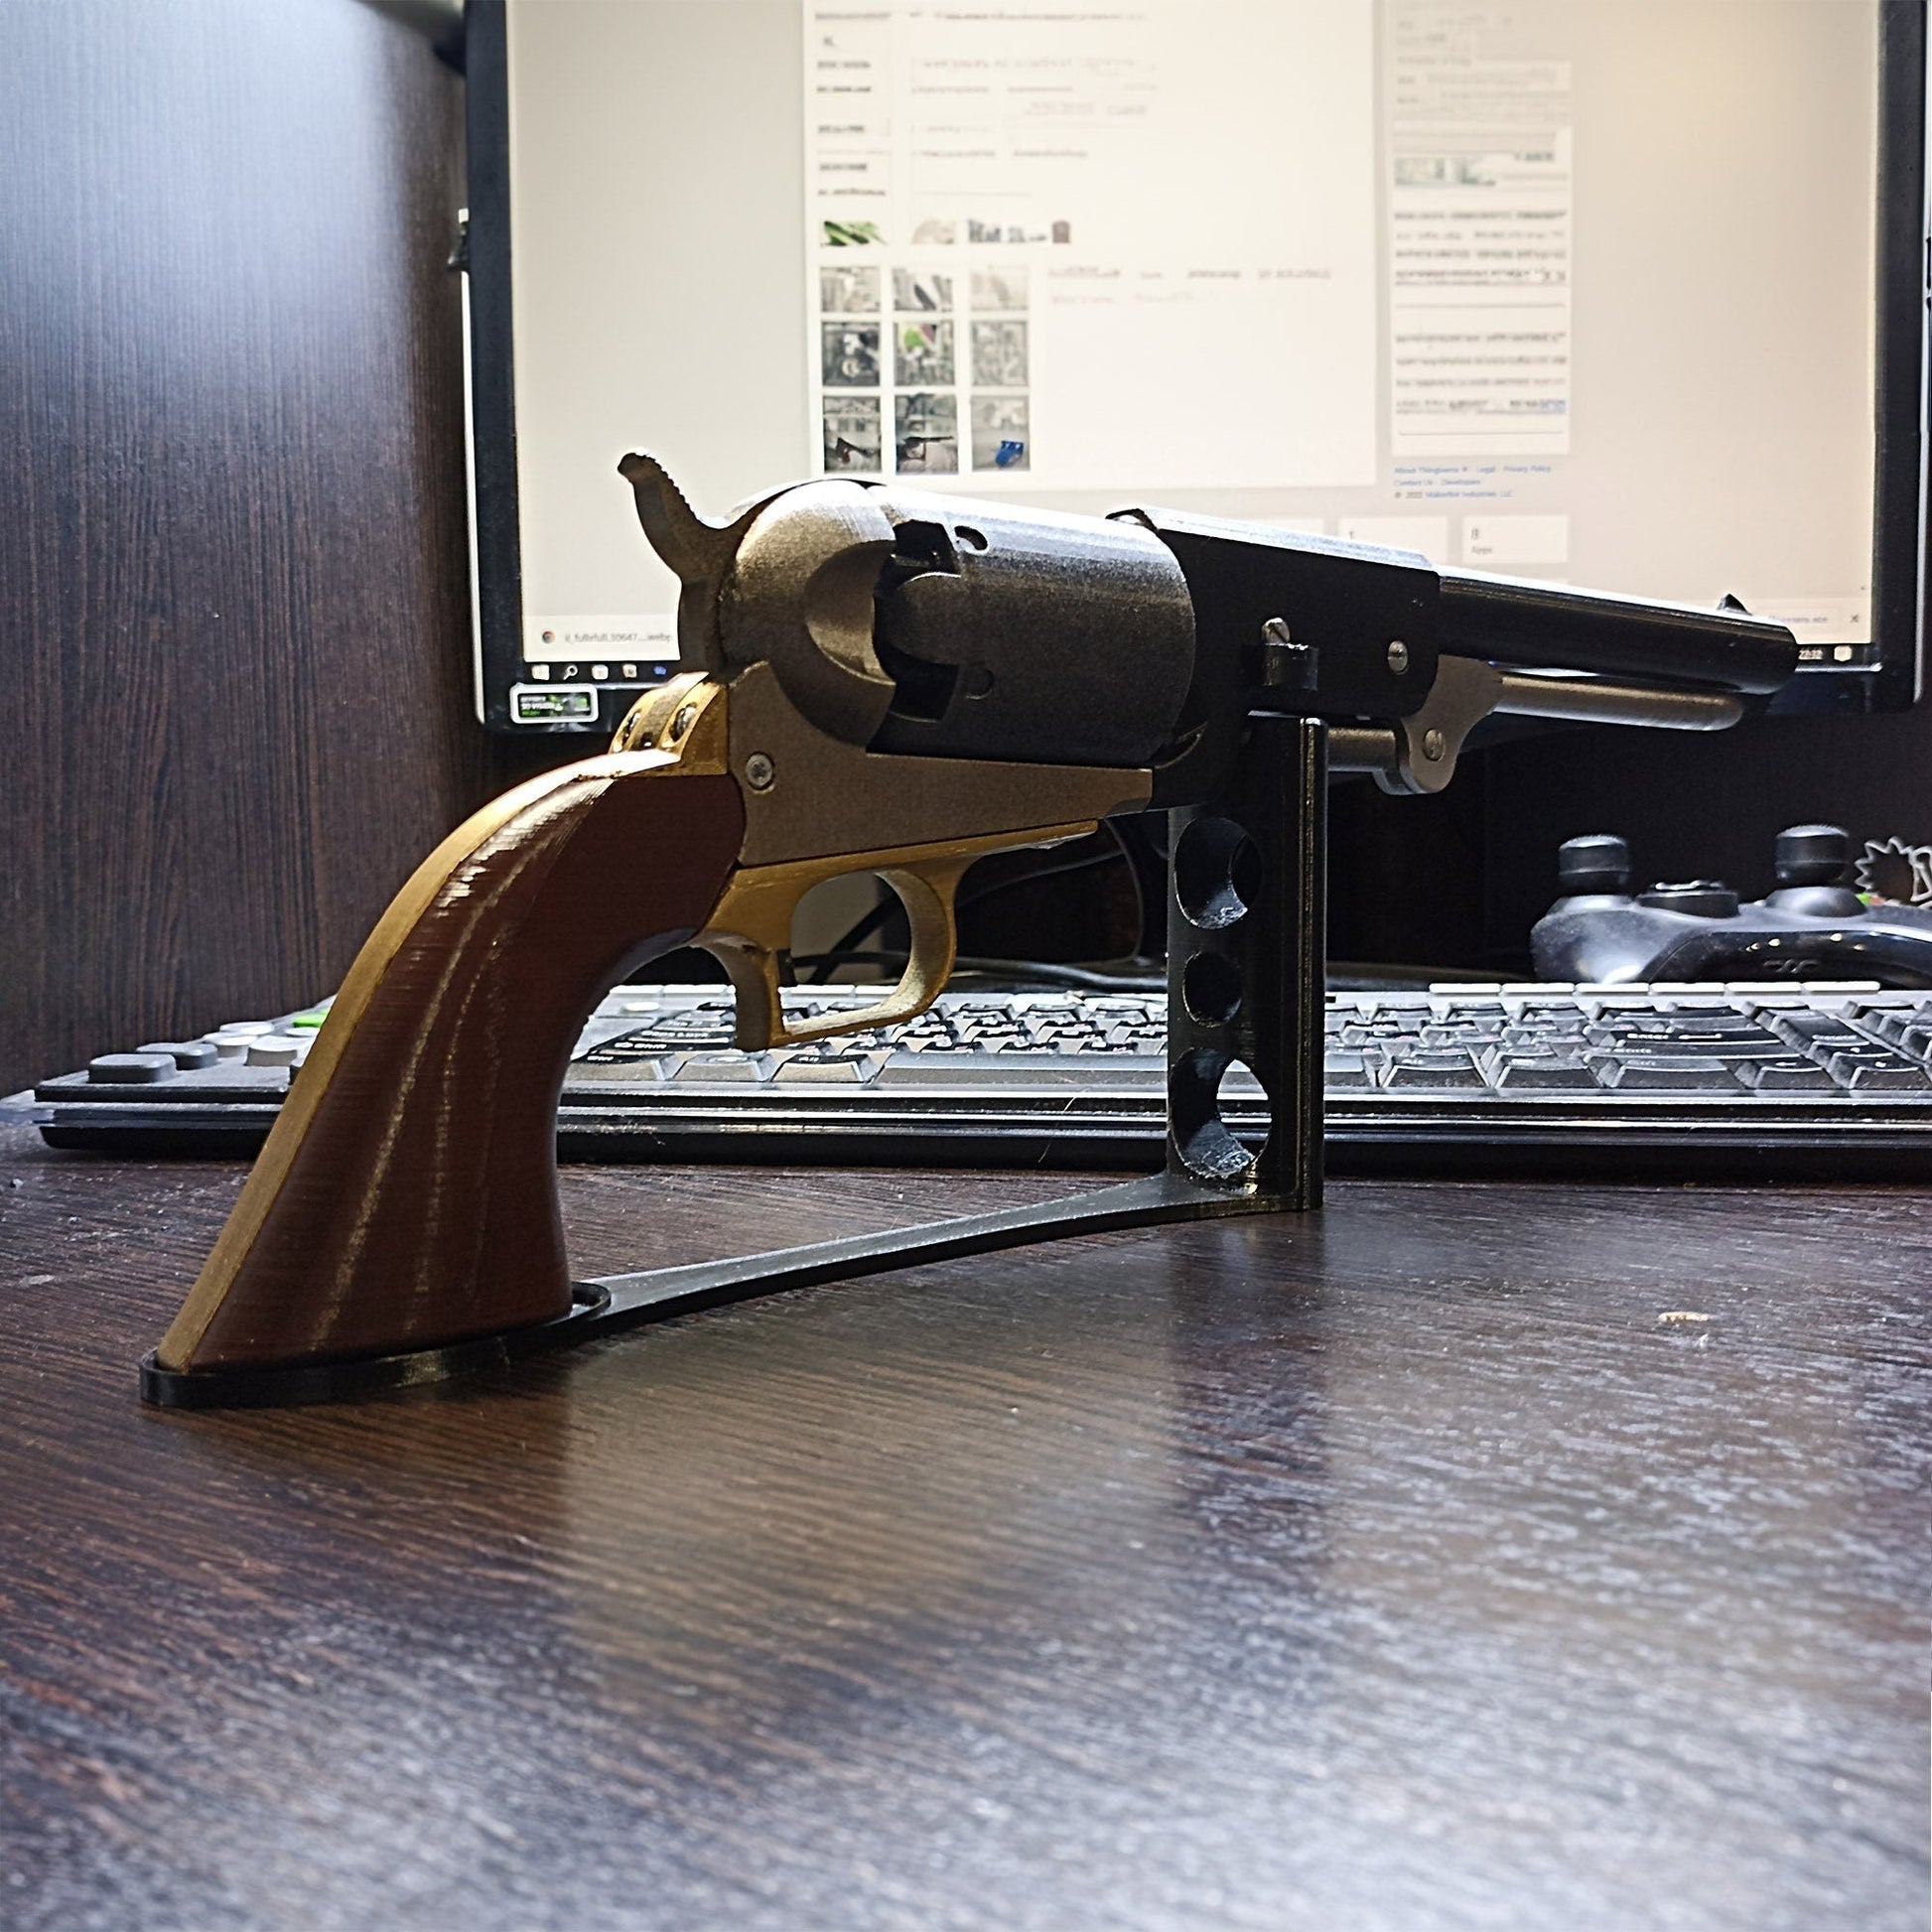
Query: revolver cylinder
x,y
1019,633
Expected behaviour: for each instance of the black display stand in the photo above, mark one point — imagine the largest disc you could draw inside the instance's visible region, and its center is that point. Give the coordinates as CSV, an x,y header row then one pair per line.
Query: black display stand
x,y
1246,963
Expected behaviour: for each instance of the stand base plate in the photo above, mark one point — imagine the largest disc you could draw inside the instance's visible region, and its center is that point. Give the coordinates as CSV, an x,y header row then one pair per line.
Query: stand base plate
x,y
612,1303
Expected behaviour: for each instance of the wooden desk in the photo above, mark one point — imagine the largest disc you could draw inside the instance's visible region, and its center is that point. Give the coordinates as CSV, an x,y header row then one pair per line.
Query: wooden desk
x,y
1397,1569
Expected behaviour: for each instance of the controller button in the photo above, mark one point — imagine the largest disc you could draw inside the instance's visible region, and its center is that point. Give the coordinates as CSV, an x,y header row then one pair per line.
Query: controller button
x,y
1704,899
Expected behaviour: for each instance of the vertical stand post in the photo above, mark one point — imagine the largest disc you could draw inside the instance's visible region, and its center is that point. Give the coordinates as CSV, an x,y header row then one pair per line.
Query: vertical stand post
x,y
1246,967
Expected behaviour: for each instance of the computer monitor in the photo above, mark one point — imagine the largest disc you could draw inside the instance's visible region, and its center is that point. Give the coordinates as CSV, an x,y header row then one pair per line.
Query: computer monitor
x,y
1629,293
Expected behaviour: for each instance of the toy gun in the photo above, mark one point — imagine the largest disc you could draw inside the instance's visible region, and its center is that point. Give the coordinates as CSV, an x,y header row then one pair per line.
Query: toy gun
x,y
880,681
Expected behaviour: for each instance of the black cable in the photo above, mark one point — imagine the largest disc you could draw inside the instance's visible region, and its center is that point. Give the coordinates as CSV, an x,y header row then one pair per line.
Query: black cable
x,y
862,929
1051,971
850,956
1008,884
1134,875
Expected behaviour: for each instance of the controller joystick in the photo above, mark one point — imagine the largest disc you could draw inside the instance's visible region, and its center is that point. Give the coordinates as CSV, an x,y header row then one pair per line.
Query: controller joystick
x,y
1811,863
1812,854
1598,862
1813,925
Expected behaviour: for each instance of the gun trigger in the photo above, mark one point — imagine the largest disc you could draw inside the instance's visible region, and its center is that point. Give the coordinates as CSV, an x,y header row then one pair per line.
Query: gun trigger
x,y
752,929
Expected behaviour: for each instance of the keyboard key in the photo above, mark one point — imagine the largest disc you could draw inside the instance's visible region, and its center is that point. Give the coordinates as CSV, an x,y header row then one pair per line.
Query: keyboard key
x,y
1719,1026
1614,1028
1662,1073
1345,1071
1816,1029
1439,1070
1887,1005
1014,1070
1550,1073
1787,1077
626,1070
1723,1047
717,1069
131,1069
1874,1075
1911,1023
189,1055
1543,1039
828,1069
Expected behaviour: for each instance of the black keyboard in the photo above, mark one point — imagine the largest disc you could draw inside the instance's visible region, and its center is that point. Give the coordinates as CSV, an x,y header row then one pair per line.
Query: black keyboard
x,y
1827,1081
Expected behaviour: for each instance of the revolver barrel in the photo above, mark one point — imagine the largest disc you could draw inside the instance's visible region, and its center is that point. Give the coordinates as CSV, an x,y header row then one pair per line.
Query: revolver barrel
x,y
1514,623
929,626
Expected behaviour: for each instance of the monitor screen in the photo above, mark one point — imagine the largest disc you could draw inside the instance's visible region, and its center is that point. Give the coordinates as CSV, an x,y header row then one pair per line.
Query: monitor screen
x,y
1621,293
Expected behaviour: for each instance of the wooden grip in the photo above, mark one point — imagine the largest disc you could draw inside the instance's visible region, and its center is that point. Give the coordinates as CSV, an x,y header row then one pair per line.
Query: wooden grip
x,y
407,1194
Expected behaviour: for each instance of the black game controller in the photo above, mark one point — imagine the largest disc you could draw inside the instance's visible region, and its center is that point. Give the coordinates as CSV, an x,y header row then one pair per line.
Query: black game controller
x,y
1813,927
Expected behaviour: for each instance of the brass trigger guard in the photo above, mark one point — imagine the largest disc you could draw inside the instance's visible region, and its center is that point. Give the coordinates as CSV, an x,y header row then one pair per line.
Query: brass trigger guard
x,y
752,929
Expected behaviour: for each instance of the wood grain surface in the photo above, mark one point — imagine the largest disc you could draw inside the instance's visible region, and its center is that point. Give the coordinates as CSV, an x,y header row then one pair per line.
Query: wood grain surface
x,y
233,578
1399,1568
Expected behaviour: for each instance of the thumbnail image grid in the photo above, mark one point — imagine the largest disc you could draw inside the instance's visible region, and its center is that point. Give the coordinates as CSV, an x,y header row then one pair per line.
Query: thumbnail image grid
x,y
902,334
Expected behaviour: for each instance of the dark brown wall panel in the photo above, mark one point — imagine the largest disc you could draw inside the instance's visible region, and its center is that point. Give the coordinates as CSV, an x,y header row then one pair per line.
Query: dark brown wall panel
x,y
233,598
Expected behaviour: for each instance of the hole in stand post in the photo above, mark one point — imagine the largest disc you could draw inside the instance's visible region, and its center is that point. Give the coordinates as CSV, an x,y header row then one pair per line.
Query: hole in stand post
x,y
1210,989
1211,1149
1217,873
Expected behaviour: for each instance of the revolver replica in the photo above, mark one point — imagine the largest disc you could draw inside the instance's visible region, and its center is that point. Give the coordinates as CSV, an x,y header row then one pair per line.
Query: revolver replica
x,y
876,680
